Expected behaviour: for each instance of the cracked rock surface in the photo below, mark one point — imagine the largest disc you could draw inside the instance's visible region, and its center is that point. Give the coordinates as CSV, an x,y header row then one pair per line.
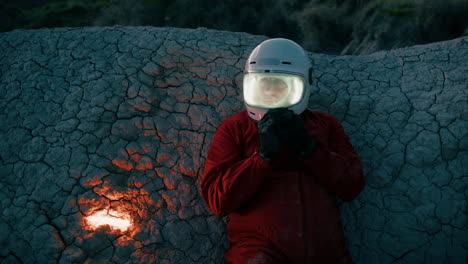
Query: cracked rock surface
x,y
119,121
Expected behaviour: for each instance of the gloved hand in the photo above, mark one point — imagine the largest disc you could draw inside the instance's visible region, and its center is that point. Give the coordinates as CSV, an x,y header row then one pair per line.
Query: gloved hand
x,y
299,138
291,131
281,125
269,140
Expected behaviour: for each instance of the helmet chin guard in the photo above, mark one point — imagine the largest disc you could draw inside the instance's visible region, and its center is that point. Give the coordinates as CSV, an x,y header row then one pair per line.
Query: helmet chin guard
x,y
256,113
286,62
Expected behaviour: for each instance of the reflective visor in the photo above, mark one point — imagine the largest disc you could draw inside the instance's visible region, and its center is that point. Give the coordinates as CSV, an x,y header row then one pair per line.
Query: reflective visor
x,y
272,90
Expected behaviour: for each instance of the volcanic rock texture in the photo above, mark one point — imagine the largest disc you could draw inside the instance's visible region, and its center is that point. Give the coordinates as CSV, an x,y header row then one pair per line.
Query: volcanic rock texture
x,y
118,122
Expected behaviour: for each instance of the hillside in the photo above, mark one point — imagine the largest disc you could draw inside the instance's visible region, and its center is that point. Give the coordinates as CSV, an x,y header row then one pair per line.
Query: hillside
x,y
324,26
121,119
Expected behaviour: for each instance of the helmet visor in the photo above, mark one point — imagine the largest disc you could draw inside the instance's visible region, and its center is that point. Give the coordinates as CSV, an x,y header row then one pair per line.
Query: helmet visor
x,y
272,90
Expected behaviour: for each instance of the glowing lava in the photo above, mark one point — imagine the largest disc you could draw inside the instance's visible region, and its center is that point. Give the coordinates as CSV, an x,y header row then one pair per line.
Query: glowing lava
x,y
114,219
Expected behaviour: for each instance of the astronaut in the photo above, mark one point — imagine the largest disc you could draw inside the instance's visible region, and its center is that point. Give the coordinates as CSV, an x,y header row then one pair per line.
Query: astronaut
x,y
277,168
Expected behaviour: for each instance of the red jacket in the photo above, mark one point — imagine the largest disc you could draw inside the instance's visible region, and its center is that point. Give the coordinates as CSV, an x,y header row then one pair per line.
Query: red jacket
x,y
287,211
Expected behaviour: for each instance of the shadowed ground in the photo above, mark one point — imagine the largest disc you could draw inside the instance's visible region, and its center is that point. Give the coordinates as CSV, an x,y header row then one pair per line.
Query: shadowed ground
x,y
120,119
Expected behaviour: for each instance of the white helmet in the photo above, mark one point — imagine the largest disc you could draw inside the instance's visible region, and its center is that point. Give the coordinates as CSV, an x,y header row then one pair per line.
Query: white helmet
x,y
277,74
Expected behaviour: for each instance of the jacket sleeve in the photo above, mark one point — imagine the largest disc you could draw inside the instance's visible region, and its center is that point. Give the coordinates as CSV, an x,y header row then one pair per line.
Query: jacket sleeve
x,y
229,178
337,165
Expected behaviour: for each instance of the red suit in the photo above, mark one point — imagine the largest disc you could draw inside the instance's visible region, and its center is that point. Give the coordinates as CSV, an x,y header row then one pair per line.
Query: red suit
x,y
285,212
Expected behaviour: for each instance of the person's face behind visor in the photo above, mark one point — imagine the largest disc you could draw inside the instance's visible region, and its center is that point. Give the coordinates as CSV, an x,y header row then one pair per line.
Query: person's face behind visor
x,y
272,90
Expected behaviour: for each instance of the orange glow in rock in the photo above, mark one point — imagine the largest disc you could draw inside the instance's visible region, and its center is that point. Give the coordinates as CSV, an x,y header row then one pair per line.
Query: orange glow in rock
x,y
114,219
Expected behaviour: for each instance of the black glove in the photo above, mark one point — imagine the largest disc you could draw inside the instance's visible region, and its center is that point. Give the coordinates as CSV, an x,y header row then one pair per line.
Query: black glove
x,y
269,140
282,117
299,138
291,131
281,125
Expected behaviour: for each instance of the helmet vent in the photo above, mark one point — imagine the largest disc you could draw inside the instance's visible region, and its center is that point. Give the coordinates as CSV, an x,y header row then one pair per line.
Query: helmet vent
x,y
253,62
286,62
